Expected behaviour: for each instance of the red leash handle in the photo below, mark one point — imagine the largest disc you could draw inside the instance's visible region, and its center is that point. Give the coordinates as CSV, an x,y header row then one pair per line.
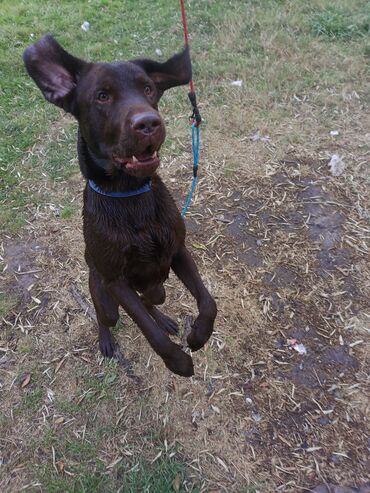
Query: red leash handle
x,y
184,23
196,118
186,36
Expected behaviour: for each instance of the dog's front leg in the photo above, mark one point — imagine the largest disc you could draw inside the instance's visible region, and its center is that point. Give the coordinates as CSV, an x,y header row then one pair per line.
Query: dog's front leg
x,y
174,358
184,267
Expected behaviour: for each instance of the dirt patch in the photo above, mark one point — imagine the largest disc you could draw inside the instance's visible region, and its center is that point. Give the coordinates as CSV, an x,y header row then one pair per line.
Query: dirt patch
x,y
19,259
301,272
247,243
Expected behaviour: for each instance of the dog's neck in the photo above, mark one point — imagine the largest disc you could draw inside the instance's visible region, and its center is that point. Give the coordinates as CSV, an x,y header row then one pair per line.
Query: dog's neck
x,y
93,168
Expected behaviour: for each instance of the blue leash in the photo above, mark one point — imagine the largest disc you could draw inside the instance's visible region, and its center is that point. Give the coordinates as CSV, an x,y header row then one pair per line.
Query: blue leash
x,y
195,145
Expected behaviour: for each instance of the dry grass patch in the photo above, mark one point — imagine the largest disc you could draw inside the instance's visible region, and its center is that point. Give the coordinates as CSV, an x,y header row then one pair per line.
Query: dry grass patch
x,y
284,256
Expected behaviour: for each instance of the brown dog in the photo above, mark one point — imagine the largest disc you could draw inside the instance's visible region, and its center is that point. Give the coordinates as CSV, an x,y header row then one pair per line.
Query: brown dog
x,y
133,231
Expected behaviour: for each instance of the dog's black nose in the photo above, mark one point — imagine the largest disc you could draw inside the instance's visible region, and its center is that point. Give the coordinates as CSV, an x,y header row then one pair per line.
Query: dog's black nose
x,y
146,123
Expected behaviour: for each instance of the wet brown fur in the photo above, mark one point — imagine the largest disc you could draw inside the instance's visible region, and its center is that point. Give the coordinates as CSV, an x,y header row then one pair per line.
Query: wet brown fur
x,y
131,243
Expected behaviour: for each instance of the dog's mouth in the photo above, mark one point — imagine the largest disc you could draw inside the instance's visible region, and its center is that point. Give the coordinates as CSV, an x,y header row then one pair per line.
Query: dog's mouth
x,y
141,165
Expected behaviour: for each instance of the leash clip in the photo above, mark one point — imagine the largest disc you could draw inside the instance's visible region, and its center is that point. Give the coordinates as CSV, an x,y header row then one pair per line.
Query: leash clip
x,y
195,116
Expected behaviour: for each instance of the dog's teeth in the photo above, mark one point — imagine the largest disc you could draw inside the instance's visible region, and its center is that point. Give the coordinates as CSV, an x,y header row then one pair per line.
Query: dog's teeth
x,y
134,159
154,154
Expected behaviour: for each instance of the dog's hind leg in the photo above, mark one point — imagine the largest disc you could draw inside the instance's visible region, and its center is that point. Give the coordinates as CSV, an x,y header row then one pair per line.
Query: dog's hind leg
x,y
106,312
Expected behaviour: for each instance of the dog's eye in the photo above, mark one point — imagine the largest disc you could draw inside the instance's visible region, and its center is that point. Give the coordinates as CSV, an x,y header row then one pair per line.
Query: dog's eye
x,y
147,90
103,96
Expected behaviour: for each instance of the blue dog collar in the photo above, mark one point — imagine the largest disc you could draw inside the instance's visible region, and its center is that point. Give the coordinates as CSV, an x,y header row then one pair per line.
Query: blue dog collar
x,y
145,188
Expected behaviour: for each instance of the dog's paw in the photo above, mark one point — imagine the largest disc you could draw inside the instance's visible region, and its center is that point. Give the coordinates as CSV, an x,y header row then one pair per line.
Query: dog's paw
x,y
202,328
168,325
107,346
164,323
195,342
180,363
199,335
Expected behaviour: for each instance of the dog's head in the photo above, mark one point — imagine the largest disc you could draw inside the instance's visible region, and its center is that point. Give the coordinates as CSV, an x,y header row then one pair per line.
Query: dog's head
x,y
116,104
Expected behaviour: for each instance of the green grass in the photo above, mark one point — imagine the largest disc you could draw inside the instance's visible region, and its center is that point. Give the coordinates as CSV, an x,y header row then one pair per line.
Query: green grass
x,y
126,478
89,472
7,303
31,400
26,344
157,477
102,385
96,388
68,211
337,23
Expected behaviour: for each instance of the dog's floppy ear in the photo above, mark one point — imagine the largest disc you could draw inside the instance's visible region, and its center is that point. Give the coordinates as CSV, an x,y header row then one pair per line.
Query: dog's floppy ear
x,y
55,71
174,72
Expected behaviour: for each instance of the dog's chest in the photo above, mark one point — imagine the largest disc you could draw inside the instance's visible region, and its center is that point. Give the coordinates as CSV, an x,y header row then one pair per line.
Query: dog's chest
x,y
142,256
137,244
152,241
149,254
